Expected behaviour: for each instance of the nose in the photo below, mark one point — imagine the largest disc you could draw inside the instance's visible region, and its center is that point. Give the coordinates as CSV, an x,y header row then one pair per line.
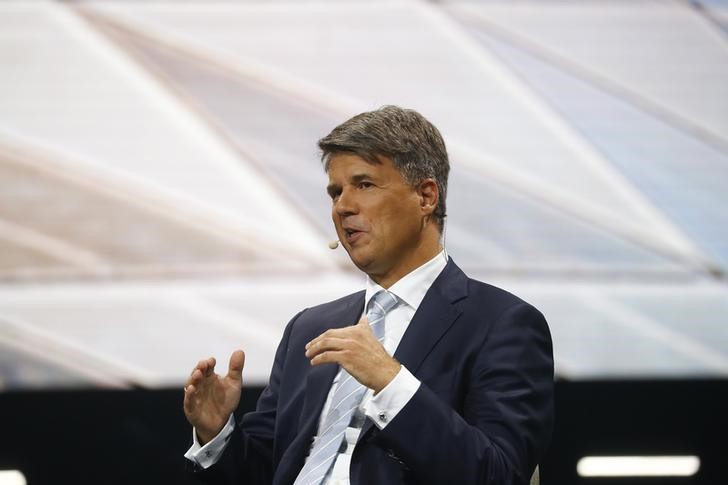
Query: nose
x,y
345,204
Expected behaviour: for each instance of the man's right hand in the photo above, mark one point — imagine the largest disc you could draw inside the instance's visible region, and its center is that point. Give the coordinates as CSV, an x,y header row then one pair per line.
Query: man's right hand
x,y
210,399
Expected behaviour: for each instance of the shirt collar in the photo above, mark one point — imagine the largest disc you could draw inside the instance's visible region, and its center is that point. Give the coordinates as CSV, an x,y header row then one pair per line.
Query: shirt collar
x,y
412,287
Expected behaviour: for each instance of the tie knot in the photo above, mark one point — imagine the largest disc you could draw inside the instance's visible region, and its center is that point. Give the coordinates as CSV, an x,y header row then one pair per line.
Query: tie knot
x,y
381,303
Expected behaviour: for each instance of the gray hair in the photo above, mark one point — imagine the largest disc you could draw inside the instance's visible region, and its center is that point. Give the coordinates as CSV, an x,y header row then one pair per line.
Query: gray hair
x,y
408,138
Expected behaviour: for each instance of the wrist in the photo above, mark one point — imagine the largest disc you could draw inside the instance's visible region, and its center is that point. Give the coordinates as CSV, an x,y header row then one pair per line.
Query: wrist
x,y
388,374
205,435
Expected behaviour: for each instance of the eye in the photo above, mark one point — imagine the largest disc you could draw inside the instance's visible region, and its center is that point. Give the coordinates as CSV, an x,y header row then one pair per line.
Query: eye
x,y
364,184
334,194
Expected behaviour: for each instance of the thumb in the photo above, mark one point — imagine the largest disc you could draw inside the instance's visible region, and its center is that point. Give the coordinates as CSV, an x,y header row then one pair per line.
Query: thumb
x,y
363,321
235,369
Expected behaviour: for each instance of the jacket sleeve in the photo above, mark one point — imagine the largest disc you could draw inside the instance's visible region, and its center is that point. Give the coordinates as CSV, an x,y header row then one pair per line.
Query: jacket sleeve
x,y
506,417
248,457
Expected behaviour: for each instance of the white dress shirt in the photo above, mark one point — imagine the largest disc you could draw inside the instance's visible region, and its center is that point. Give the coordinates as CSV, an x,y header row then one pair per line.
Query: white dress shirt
x,y
383,407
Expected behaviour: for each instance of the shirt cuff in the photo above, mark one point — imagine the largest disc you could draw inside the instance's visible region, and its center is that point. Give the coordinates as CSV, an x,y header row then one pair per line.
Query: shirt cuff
x,y
207,455
389,401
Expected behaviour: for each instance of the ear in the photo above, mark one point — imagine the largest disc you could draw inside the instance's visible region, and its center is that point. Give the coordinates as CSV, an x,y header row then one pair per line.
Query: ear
x,y
429,196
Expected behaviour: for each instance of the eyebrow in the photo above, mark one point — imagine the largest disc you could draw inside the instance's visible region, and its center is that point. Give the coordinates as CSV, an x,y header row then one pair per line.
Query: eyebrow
x,y
356,178
360,176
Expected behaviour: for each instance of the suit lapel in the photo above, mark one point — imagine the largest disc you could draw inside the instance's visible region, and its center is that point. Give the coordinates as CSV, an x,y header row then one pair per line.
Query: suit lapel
x,y
433,318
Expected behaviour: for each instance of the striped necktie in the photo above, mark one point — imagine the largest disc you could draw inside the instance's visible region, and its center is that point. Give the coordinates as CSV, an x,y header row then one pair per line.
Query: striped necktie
x,y
344,403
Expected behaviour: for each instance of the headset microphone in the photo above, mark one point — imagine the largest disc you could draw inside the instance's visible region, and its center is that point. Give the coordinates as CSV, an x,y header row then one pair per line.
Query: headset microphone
x,y
334,244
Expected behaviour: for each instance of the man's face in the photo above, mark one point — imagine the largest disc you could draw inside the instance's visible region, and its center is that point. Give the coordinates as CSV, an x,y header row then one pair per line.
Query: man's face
x,y
378,216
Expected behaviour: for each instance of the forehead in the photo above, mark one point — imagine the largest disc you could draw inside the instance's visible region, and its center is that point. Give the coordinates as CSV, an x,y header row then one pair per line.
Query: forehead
x,y
344,166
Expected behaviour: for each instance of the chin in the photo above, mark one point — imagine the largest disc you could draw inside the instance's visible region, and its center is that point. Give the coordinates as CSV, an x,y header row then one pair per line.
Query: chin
x,y
361,261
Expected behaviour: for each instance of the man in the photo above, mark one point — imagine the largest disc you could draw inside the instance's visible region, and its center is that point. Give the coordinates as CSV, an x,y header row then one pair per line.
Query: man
x,y
426,377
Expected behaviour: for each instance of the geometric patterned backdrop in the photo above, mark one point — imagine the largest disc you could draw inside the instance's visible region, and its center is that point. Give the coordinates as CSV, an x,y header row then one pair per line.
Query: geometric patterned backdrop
x,y
162,199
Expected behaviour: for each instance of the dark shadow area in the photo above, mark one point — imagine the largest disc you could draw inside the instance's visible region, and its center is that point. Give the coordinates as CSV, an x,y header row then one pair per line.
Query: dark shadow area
x,y
139,436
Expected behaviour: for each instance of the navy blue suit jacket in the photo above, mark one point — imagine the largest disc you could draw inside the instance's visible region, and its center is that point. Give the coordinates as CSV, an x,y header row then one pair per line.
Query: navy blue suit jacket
x,y
482,415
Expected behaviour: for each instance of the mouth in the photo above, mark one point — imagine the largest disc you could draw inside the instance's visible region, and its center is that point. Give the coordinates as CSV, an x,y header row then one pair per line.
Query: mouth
x,y
352,235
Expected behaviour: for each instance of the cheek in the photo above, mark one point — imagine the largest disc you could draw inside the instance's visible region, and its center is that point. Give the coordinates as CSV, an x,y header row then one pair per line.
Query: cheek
x,y
400,213
387,227
407,226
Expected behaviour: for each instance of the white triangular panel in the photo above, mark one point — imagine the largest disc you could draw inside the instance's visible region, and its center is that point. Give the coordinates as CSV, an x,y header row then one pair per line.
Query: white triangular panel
x,y
404,54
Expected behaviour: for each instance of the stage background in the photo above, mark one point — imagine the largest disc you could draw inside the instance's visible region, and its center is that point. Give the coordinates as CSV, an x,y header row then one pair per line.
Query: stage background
x,y
162,200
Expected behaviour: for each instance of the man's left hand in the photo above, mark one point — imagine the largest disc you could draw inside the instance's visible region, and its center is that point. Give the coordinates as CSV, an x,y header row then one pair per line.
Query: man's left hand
x,y
357,350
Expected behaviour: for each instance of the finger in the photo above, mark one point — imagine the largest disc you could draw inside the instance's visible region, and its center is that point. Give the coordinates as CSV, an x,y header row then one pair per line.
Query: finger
x,y
235,368
210,370
196,378
328,357
332,333
202,366
327,343
324,335
189,379
197,367
365,327
187,403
